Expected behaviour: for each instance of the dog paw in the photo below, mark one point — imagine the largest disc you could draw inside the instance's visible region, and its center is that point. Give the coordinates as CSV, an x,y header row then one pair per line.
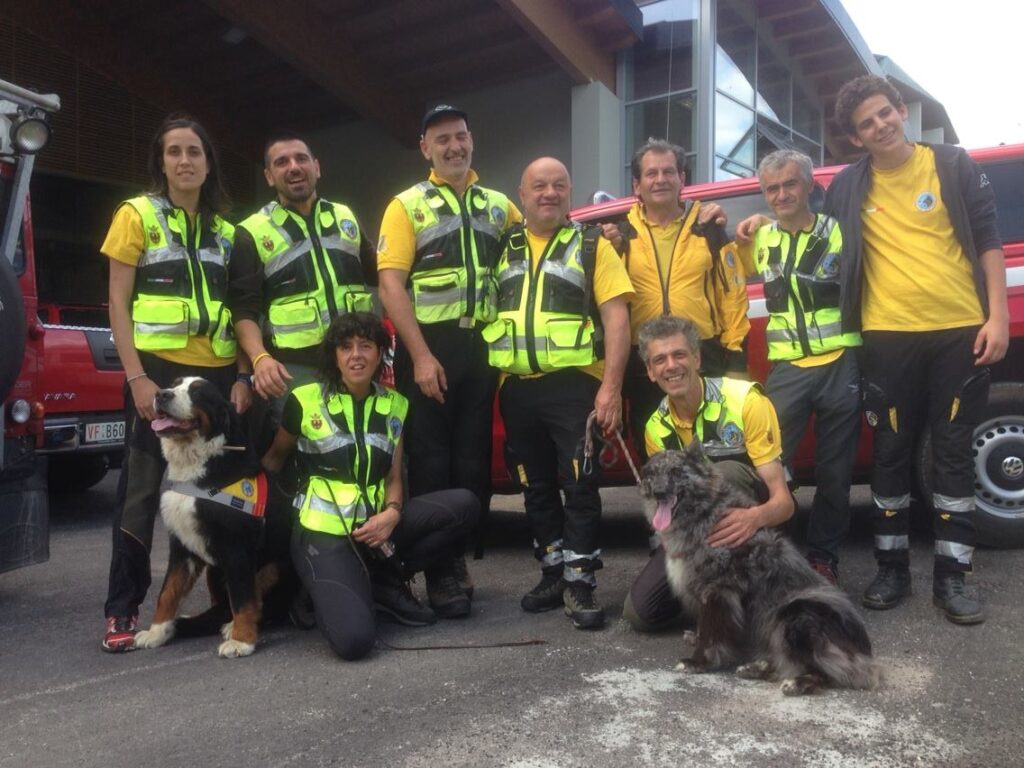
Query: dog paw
x,y
755,670
155,636
689,666
235,649
690,637
225,630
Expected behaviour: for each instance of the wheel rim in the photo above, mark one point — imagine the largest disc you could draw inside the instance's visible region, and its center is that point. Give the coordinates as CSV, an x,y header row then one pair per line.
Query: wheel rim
x,y
999,467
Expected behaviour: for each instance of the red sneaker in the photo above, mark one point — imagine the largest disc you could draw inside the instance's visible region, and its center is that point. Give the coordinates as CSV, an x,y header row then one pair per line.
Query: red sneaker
x,y
120,635
827,570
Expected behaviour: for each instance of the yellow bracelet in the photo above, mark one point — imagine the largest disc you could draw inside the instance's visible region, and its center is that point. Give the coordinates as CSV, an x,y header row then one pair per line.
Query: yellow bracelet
x,y
259,357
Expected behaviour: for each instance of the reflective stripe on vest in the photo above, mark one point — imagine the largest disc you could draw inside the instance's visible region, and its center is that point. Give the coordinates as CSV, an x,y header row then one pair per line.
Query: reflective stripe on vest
x,y
310,277
180,279
719,422
542,322
457,246
345,450
801,288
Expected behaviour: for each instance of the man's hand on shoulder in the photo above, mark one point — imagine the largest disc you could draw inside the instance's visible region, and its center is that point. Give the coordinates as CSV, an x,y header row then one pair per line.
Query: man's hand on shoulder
x,y
712,212
746,229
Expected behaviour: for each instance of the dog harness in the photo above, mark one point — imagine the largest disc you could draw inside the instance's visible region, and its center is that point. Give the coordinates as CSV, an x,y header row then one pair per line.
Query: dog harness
x,y
248,494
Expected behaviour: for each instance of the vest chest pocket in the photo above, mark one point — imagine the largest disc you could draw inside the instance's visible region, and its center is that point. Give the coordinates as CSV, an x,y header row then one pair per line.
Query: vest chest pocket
x,y
501,343
358,301
222,334
160,324
570,342
776,298
439,296
295,324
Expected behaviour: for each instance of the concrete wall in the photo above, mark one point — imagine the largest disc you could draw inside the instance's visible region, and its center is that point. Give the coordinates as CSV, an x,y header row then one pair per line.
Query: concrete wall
x,y
511,125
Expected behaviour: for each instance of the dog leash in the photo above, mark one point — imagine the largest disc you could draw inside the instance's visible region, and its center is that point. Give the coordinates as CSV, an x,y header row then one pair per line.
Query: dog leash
x,y
588,447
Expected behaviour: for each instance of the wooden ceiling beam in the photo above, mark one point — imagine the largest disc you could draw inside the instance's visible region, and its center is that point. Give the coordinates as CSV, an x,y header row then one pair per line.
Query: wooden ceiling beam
x,y
554,28
323,52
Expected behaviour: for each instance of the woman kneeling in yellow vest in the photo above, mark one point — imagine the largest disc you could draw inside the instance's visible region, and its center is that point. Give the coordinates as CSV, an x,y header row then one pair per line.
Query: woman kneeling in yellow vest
x,y
355,543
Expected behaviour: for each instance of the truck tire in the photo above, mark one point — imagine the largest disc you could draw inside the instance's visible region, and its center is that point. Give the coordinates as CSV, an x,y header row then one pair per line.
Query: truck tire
x,y
998,468
73,474
12,327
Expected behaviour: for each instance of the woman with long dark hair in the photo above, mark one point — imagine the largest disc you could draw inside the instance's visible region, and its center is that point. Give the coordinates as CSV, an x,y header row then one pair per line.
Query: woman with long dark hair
x,y
168,252
356,542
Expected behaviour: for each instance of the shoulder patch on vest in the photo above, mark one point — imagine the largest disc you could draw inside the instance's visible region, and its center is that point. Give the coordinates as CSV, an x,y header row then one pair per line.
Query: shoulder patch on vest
x,y
349,228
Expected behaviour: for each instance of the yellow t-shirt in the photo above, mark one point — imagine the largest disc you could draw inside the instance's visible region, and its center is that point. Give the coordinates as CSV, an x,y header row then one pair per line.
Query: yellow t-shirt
x,y
125,242
396,246
916,275
760,429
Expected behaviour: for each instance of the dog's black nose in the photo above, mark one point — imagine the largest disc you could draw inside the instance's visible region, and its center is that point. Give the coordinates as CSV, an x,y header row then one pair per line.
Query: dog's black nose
x,y
164,396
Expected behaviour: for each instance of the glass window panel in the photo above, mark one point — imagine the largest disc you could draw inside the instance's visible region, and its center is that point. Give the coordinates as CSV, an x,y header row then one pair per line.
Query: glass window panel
x,y
734,130
810,148
735,55
664,60
806,115
672,119
772,85
1007,180
727,170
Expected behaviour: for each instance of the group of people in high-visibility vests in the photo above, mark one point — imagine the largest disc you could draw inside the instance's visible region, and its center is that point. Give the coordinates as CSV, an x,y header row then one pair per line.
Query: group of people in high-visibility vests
x,y
560,318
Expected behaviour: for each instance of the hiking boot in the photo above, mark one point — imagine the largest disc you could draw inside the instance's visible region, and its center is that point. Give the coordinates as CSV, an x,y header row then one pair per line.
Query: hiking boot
x,y
120,635
582,606
891,585
949,594
547,595
446,596
826,569
394,598
461,572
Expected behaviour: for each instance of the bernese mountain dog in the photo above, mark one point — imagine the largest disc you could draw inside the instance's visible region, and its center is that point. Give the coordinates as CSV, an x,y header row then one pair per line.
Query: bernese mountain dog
x,y
217,513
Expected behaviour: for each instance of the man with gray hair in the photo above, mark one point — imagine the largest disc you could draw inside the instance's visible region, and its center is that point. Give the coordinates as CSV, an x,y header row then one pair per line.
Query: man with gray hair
x,y
814,371
737,427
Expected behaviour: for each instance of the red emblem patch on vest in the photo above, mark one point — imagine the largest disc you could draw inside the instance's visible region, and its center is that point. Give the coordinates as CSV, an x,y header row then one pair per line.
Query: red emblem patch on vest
x,y
267,243
316,422
154,234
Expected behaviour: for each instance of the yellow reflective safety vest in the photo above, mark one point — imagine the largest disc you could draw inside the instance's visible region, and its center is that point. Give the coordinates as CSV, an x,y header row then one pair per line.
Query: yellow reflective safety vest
x,y
546,318
457,245
181,279
801,289
311,276
345,451
719,422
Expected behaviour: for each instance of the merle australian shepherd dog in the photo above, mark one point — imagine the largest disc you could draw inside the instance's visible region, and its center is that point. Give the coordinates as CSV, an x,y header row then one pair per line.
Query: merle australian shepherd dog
x,y
759,606
217,514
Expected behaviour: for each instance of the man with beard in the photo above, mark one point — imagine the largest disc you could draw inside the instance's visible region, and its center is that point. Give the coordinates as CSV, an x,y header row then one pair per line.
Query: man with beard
x,y
298,263
439,241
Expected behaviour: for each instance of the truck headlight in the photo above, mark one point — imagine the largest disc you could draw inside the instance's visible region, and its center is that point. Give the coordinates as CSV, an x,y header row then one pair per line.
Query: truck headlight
x,y
20,411
30,132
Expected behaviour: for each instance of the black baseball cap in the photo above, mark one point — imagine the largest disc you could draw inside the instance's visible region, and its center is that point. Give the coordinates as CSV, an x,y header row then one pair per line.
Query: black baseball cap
x,y
441,110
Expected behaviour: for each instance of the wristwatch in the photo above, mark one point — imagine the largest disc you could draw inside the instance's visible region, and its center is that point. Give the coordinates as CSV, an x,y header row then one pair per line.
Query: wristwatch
x,y
244,378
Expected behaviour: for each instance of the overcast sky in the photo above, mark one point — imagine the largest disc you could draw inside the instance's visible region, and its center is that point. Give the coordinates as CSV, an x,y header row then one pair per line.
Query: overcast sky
x,y
968,55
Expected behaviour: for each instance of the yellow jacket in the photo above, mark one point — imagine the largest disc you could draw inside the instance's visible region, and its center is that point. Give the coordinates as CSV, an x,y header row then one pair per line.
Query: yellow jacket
x,y
713,296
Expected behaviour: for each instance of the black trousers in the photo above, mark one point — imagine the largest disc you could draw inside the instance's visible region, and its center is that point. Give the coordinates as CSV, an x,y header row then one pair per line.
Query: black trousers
x,y
914,380
545,420
643,395
429,532
831,393
449,445
138,492
650,604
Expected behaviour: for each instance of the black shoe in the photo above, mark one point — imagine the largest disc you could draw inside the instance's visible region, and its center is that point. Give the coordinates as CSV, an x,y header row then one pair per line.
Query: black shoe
x,y
949,593
547,595
447,597
891,585
395,599
582,606
461,572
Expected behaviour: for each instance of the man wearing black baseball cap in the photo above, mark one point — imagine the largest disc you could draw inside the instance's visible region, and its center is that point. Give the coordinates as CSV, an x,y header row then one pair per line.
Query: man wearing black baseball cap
x,y
439,243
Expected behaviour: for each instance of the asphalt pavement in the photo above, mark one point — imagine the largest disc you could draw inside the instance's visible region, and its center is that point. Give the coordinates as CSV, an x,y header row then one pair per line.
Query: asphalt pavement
x,y
954,696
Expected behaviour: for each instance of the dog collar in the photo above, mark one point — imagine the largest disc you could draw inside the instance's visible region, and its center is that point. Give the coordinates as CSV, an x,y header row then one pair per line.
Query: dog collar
x,y
248,494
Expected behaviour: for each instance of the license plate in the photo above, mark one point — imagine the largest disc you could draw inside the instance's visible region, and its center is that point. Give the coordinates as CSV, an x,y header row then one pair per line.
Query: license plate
x,y
104,432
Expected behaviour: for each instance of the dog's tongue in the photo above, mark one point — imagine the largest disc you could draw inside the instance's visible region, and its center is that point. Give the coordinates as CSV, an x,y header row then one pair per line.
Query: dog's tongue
x,y
663,514
164,422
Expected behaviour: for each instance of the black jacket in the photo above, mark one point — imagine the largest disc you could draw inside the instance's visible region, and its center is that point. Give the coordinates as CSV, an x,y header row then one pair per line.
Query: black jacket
x,y
965,192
